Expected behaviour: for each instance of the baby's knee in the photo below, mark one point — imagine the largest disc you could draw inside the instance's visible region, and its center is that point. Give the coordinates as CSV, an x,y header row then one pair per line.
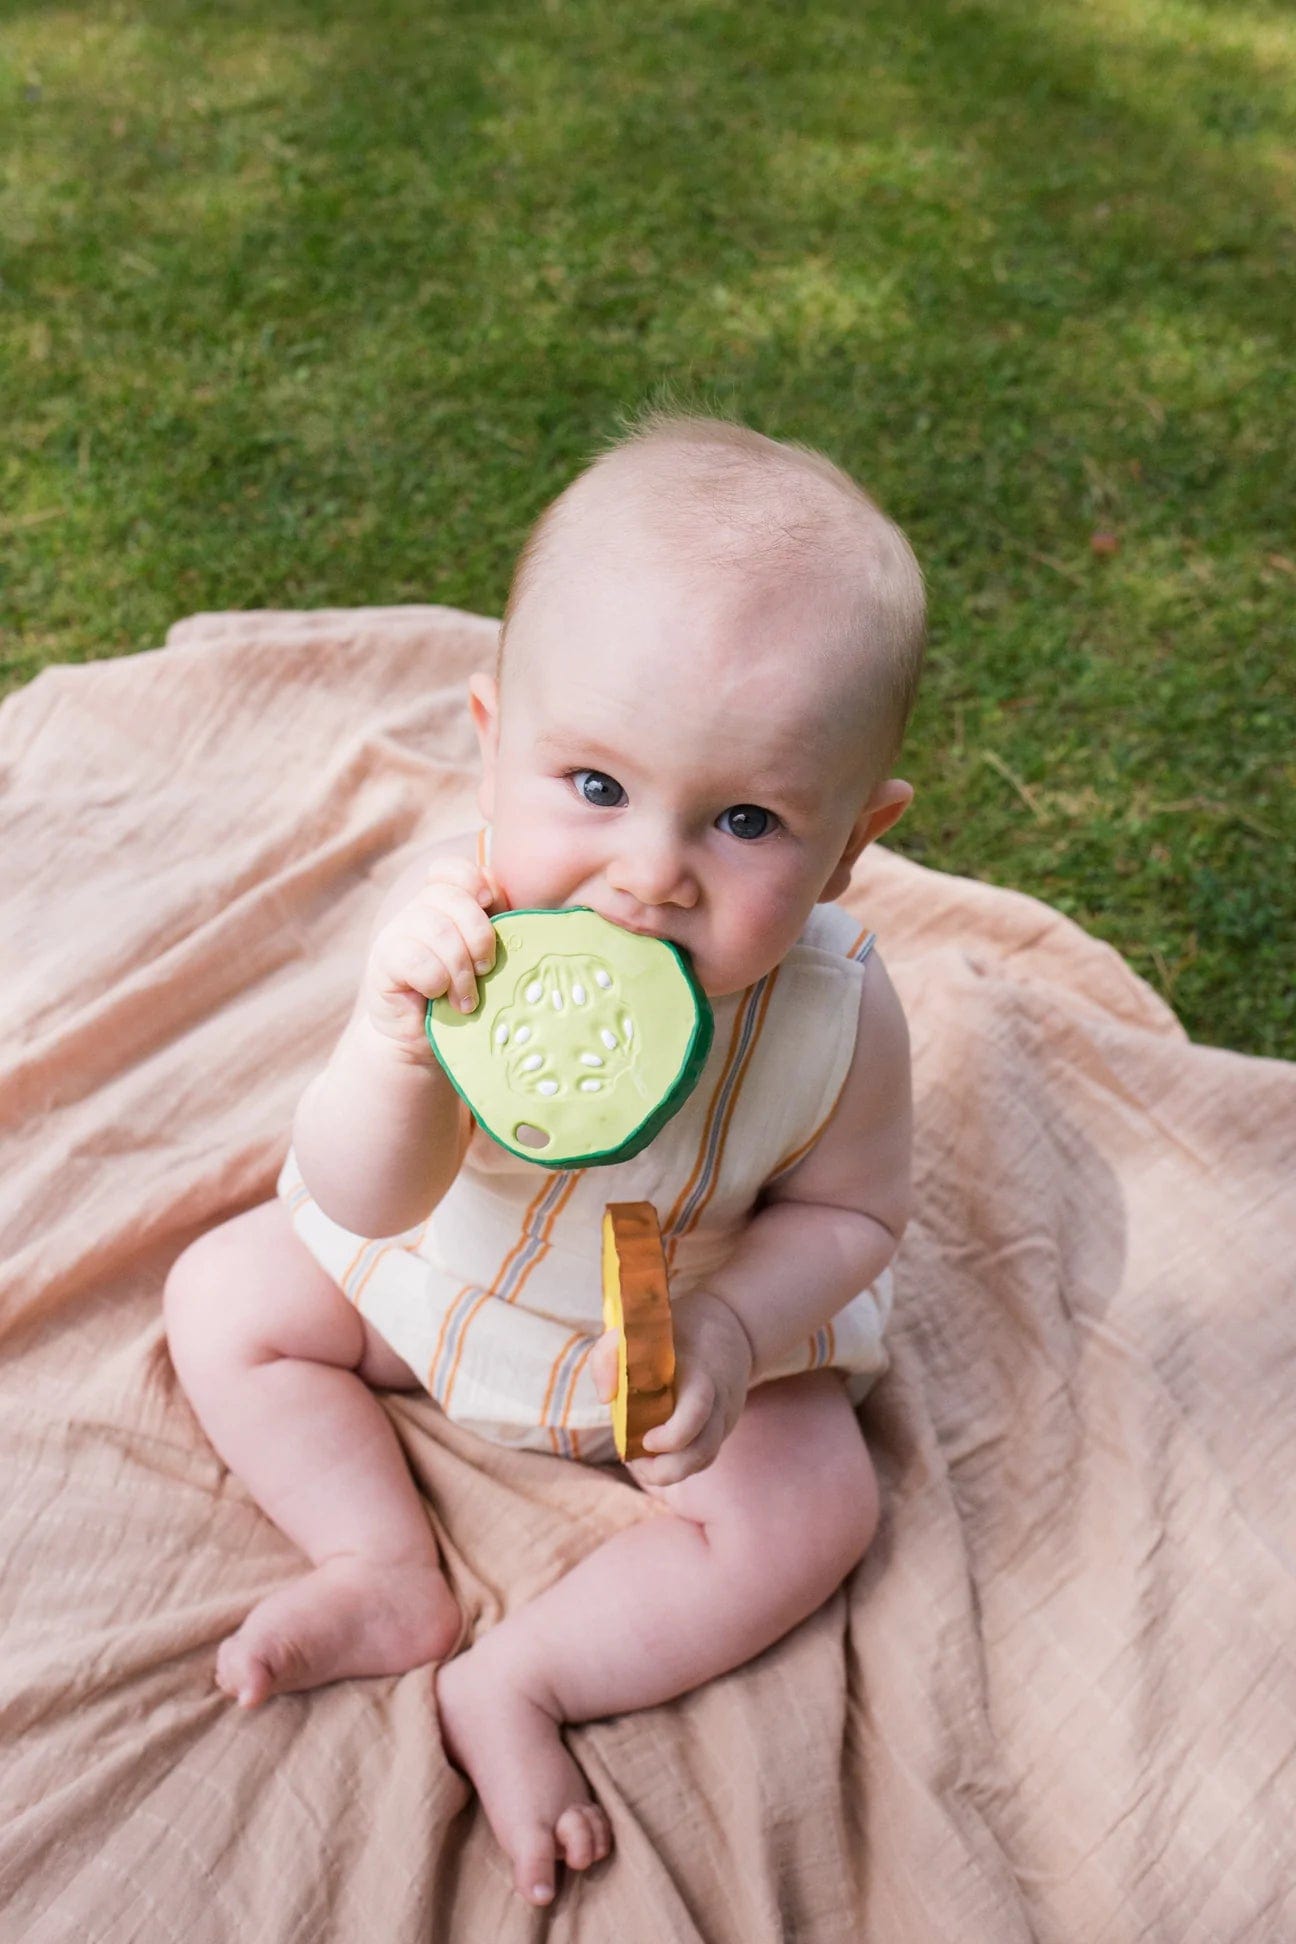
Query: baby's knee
x,y
813,1549
838,1511
202,1323
857,1508
812,1502
232,1295
835,1522
248,1293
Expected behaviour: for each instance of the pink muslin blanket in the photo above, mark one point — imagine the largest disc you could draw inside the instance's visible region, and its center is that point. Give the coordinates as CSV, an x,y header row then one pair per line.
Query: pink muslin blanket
x,y
1058,1699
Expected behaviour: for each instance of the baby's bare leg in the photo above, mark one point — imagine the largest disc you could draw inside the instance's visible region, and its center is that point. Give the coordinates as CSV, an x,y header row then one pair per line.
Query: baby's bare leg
x,y
757,1542
277,1364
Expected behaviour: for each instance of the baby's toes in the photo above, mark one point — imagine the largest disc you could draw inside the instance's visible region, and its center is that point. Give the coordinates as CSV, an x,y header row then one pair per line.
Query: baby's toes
x,y
242,1674
584,1835
533,1865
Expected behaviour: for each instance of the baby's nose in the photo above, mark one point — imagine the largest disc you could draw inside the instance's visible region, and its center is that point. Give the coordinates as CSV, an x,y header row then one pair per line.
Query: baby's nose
x,y
654,874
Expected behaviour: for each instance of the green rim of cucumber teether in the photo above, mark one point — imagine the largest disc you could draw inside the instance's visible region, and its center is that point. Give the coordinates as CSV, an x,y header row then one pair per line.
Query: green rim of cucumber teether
x,y
479,1050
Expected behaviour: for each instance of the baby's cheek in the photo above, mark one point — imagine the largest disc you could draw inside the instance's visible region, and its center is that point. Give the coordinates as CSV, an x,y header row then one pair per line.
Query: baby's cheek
x,y
537,867
754,933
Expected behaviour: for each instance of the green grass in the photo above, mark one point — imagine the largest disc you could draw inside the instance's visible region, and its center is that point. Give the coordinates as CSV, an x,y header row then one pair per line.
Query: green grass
x,y
313,304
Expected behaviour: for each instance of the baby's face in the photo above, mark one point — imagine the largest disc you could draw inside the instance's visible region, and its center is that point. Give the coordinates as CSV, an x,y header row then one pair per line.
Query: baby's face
x,y
675,763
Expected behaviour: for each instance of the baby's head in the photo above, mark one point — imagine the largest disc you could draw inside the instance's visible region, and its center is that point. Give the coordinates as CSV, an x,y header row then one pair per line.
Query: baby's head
x,y
710,652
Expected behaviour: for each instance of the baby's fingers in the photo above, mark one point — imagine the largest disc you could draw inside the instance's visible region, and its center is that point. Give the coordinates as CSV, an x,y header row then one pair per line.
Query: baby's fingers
x,y
478,880
671,1467
604,1359
436,948
447,917
695,1406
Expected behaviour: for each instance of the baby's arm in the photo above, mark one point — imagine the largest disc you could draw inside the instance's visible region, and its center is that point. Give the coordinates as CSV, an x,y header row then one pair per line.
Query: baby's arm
x,y
380,1134
829,1227
822,1232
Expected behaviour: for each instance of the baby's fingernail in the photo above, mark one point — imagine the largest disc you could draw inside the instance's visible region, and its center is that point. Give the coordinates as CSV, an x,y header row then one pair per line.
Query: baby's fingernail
x,y
467,1003
482,965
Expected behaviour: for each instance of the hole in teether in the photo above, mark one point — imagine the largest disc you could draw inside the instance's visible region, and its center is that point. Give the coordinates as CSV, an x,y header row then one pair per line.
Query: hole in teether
x,y
532,1137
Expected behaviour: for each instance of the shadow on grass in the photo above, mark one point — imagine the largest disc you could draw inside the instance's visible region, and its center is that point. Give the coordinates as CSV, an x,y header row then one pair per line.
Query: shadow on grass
x,y
1032,116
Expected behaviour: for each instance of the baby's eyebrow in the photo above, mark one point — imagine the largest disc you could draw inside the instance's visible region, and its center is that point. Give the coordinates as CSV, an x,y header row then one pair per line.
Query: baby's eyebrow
x,y
563,742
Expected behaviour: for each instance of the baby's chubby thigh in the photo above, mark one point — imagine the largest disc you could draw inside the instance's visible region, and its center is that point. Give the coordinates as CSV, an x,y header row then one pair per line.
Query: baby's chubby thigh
x,y
790,1503
248,1290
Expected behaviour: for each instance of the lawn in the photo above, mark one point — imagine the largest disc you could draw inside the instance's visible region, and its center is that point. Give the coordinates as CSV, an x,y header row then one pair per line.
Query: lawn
x,y
310,305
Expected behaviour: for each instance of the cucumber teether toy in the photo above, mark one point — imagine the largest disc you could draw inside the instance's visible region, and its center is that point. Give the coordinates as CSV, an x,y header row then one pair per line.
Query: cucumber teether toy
x,y
585,1039
636,1301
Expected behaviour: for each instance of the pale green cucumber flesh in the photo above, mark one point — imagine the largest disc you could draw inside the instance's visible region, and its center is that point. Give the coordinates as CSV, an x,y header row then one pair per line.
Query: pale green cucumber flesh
x,y
585,1039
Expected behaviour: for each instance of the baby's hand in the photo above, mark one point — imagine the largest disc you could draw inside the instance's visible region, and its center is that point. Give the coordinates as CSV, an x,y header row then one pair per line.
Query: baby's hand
x,y
434,945
713,1363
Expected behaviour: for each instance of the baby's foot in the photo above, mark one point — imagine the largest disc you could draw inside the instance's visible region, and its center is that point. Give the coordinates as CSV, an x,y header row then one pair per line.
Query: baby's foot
x,y
535,1797
350,1616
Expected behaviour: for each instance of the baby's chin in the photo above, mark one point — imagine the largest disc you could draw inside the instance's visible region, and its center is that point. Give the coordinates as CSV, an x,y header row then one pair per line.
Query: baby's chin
x,y
721,981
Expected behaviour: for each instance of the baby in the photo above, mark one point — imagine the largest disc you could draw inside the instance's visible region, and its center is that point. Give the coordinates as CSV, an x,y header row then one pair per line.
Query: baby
x,y
709,655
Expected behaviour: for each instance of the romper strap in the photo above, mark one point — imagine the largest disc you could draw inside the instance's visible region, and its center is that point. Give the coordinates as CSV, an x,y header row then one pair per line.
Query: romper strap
x,y
857,940
833,929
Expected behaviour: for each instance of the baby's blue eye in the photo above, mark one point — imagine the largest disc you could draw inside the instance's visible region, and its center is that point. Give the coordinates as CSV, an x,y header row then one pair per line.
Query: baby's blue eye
x,y
602,790
749,820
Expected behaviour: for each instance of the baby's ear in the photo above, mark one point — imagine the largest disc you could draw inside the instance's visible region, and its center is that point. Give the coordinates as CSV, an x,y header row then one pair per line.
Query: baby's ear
x,y
483,705
885,807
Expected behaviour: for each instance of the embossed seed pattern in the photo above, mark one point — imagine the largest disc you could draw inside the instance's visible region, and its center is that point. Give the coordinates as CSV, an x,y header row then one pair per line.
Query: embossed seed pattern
x,y
566,1018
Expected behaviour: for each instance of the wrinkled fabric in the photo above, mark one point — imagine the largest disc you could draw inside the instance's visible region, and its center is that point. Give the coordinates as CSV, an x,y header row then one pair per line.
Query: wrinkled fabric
x,y
1057,1701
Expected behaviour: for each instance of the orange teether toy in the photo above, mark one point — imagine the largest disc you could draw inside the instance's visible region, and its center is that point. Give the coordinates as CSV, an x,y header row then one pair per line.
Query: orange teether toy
x,y
636,1301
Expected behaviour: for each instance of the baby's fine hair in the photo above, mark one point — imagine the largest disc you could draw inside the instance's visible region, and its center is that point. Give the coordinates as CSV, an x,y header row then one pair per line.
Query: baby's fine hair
x,y
722,496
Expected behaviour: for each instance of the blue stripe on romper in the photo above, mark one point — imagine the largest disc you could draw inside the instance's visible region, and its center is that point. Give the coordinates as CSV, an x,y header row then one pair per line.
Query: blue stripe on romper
x,y
467,1302
566,1378
719,1111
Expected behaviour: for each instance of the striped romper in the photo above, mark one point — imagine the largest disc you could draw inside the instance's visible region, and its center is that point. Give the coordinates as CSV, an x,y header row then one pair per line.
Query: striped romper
x,y
495,1300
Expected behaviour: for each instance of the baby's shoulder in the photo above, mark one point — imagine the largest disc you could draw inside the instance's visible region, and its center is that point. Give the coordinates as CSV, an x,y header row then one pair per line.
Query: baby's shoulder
x,y
864,1149
859,987
832,929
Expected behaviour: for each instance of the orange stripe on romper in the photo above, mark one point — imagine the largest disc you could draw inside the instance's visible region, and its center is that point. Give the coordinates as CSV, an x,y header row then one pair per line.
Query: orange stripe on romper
x,y
439,1346
533,1206
354,1264
575,1337
790,1160
572,1381
554,1368
681,1200
404,1243
560,1202
761,1016
367,1243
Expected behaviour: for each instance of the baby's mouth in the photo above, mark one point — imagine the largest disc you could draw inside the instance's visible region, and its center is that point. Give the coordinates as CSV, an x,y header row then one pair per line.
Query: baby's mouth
x,y
631,924
644,931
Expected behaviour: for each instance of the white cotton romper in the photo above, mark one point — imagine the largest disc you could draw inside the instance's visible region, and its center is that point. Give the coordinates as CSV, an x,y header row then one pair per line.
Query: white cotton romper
x,y
495,1301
